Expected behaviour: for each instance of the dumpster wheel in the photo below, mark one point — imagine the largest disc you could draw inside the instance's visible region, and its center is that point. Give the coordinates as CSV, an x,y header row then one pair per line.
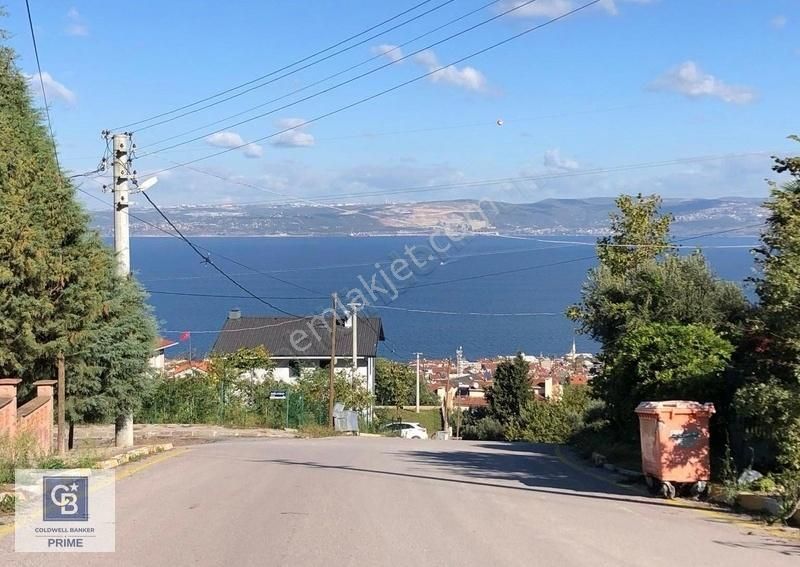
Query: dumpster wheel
x,y
668,490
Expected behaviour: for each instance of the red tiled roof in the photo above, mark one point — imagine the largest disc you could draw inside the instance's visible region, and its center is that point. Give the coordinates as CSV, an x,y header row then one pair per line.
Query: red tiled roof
x,y
185,365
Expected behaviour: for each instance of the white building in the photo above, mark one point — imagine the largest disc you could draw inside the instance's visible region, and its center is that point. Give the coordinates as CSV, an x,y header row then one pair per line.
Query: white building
x,y
298,343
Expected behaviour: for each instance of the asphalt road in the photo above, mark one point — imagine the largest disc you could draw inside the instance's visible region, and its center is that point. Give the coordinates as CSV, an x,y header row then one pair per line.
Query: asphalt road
x,y
393,502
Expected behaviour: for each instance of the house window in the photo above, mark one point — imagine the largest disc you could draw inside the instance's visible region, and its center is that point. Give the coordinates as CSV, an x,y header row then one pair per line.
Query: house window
x,y
294,369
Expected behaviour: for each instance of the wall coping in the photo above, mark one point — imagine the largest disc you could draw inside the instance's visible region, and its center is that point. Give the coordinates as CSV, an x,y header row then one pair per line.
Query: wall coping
x,y
10,381
31,406
5,401
45,383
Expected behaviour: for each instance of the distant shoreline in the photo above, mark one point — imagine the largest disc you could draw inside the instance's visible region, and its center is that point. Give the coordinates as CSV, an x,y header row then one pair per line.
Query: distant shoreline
x,y
415,234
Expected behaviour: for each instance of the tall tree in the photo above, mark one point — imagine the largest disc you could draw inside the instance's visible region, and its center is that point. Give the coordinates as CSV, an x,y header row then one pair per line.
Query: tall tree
x,y
778,285
639,232
511,389
58,292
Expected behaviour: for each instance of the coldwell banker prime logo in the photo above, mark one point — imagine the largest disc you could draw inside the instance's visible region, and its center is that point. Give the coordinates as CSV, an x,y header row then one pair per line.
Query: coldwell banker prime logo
x,y
65,499
65,511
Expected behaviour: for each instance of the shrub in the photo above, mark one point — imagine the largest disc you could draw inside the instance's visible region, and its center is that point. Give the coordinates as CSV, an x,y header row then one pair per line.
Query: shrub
x,y
484,429
773,410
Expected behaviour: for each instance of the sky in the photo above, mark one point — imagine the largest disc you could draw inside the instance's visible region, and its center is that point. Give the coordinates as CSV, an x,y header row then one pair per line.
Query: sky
x,y
685,98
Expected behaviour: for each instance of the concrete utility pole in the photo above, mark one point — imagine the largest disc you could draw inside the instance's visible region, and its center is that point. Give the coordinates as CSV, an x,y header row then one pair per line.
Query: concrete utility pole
x,y
123,430
354,314
418,355
334,303
62,449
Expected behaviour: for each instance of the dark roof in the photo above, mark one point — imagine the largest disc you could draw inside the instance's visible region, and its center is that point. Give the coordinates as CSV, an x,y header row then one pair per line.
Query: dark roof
x,y
275,334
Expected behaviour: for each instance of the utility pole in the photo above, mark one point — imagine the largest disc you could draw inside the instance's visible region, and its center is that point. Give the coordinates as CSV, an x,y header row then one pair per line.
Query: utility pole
x,y
62,450
354,314
123,429
334,303
446,396
418,355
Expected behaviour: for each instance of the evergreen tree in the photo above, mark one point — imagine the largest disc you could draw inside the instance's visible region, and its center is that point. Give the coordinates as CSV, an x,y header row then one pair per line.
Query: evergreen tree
x,y
58,292
511,390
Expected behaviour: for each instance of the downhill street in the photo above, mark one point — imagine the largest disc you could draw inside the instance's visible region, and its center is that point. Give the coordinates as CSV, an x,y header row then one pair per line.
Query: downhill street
x,y
369,501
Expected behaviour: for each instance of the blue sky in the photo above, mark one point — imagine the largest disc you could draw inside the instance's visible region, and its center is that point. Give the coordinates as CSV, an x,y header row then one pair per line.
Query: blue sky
x,y
621,83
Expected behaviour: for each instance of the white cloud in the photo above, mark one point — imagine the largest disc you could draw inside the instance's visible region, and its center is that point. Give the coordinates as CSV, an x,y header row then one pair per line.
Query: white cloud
x,y
390,52
295,135
253,151
465,77
555,8
52,88
225,140
554,160
778,22
234,140
76,26
691,81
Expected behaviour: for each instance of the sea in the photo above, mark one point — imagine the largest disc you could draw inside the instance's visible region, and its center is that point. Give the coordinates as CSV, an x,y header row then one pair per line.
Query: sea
x,y
489,295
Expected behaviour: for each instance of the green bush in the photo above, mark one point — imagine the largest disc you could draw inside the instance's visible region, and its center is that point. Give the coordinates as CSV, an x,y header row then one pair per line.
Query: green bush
x,y
773,410
481,426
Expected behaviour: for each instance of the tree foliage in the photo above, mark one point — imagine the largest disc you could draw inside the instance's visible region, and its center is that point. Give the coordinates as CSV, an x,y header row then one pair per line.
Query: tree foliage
x,y
396,385
510,390
675,290
314,386
639,232
661,361
58,291
778,284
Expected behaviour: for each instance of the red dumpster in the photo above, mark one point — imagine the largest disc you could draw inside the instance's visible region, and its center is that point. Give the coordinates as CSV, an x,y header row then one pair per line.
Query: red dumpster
x,y
675,445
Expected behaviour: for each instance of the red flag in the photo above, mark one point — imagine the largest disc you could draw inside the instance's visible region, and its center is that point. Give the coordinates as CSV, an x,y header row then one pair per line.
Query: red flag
x,y
185,336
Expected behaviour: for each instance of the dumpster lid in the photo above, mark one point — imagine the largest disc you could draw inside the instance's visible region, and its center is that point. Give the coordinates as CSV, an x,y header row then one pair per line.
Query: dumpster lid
x,y
675,405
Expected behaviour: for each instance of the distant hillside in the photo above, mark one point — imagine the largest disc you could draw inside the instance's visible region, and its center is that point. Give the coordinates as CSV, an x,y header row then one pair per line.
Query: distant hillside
x,y
547,217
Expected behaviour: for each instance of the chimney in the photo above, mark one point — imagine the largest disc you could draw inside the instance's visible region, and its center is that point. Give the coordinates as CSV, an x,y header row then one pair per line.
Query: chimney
x,y
235,313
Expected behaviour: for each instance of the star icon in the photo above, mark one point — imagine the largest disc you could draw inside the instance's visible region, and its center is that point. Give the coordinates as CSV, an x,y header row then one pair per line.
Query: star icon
x,y
74,487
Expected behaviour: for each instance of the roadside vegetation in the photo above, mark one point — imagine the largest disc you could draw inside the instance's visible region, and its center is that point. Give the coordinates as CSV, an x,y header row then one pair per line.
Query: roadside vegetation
x,y
232,394
669,328
58,288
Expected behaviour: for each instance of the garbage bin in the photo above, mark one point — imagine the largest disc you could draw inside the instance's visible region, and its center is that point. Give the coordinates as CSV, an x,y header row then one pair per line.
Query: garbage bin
x,y
675,445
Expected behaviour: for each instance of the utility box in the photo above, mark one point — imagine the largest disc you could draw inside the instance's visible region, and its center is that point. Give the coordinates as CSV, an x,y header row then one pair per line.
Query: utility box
x,y
345,420
675,445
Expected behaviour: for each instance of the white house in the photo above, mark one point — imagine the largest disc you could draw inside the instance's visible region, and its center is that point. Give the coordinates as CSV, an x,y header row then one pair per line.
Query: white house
x,y
157,360
298,343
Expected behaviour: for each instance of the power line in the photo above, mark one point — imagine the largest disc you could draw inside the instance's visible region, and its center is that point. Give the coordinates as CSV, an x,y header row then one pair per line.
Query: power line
x,y
465,313
207,259
337,74
41,85
388,90
271,73
467,184
558,263
208,250
224,296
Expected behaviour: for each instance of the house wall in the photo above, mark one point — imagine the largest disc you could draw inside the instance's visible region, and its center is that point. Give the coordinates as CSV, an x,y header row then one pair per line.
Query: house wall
x,y
282,370
157,361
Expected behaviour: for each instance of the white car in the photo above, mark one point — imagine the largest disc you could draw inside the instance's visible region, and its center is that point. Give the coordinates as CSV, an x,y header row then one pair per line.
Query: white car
x,y
407,430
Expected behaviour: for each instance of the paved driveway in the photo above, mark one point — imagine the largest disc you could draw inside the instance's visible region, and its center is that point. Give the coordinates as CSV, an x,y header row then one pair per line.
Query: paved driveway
x,y
394,502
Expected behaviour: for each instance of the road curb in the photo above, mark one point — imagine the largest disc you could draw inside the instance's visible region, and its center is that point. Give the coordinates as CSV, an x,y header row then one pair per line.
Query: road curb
x,y
723,516
133,455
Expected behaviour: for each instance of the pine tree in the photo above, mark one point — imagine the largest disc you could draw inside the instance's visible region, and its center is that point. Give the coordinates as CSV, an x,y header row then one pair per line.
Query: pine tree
x,y
511,389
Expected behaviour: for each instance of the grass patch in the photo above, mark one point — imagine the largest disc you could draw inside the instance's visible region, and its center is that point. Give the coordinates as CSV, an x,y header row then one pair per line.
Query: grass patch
x,y
430,419
312,430
7,504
